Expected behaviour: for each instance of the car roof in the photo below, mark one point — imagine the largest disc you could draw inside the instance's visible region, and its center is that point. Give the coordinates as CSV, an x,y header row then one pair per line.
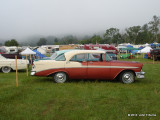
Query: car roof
x,y
64,51
70,54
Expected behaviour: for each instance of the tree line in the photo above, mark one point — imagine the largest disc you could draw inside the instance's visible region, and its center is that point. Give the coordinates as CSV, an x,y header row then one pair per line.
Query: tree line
x,y
148,33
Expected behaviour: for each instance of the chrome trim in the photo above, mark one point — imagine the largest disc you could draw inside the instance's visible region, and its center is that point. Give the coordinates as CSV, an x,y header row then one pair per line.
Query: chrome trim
x,y
140,74
129,67
33,73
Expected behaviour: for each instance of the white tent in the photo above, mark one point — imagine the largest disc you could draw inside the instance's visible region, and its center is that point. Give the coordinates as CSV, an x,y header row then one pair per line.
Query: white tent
x,y
145,50
146,44
27,51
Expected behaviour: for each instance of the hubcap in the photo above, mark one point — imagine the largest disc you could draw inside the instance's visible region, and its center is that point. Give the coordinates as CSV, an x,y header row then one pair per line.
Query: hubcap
x,y
127,78
60,77
6,69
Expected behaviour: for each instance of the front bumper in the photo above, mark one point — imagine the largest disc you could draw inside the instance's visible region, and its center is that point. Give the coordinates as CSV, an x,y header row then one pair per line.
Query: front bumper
x,y
33,73
140,74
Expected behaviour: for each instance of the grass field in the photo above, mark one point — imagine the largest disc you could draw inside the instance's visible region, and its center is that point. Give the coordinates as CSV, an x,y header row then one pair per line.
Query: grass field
x,y
38,98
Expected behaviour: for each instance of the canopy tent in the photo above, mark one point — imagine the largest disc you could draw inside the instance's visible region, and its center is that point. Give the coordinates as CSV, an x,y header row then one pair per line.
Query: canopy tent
x,y
38,54
134,51
130,48
28,51
141,47
147,44
145,50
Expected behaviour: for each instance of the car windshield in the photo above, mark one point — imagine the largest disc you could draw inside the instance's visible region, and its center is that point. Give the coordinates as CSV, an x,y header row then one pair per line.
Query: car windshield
x,y
1,57
53,56
60,58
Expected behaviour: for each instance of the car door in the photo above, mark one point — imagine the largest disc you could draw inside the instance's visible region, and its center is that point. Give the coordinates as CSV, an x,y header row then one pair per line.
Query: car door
x,y
76,67
98,68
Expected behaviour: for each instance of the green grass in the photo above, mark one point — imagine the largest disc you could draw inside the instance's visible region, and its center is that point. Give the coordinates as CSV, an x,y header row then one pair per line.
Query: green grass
x,y
38,98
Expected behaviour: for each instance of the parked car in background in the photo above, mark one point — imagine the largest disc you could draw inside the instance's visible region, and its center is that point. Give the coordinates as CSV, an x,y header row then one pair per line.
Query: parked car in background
x,y
12,56
6,65
155,54
112,56
108,48
81,64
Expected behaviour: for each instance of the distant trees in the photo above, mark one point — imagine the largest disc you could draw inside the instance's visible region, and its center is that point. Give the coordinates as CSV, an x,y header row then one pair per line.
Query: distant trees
x,y
56,41
11,42
133,33
112,35
68,40
42,41
154,26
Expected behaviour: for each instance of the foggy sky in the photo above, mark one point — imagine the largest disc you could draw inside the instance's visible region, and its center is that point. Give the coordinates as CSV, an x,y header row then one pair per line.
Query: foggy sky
x,y
22,18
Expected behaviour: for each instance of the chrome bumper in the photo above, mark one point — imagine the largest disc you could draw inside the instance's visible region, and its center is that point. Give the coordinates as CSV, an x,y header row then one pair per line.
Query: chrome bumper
x,y
140,74
33,73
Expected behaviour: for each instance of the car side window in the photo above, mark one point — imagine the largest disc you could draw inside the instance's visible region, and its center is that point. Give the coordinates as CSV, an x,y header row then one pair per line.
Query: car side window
x,y
79,57
107,58
60,58
94,57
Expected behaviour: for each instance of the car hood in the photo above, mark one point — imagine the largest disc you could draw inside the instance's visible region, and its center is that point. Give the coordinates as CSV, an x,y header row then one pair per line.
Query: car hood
x,y
46,58
18,60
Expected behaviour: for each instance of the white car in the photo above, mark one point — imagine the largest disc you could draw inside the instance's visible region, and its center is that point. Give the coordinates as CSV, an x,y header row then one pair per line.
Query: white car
x,y
6,65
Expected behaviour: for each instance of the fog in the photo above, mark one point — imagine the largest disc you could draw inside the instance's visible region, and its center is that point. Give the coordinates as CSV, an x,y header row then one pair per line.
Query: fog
x,y
20,19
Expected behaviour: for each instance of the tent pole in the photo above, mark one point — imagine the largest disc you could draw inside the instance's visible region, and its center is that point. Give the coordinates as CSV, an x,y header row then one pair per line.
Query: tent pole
x,y
26,66
31,59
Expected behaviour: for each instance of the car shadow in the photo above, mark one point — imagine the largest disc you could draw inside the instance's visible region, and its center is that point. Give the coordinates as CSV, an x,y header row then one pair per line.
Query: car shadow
x,y
92,81
50,80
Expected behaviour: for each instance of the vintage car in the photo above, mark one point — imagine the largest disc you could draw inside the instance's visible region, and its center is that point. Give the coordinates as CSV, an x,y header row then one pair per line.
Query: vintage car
x,y
6,65
82,64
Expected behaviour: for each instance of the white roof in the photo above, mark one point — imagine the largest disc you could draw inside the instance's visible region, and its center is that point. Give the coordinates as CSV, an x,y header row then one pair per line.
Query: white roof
x,y
70,54
27,51
145,50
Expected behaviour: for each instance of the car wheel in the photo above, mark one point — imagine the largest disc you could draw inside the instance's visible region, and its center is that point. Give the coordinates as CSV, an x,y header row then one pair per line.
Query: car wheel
x,y
127,77
6,69
60,77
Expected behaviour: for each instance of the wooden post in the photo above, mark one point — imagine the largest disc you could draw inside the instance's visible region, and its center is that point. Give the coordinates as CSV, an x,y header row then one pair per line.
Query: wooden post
x,y
153,59
26,65
16,71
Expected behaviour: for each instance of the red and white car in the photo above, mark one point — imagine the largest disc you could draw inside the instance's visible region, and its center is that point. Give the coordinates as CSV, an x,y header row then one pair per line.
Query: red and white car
x,y
87,64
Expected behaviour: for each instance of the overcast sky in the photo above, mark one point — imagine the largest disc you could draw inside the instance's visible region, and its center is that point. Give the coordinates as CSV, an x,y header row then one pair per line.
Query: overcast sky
x,y
22,18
